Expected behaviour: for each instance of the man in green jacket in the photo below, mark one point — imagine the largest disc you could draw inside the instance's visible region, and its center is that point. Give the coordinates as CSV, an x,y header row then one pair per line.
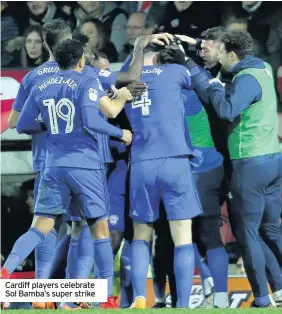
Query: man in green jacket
x,y
250,105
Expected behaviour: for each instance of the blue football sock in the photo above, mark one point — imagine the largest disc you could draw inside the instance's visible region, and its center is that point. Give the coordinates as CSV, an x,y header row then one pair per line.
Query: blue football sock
x,y
201,264
44,255
72,259
103,255
184,264
61,253
218,265
95,269
85,254
262,301
140,259
126,289
23,247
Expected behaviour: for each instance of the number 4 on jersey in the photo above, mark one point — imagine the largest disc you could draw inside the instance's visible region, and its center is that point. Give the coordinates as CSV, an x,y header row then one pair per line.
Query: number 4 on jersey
x,y
55,111
144,102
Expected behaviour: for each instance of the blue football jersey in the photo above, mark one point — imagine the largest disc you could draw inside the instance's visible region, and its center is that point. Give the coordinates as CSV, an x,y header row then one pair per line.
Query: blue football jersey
x,y
31,79
157,117
106,79
59,99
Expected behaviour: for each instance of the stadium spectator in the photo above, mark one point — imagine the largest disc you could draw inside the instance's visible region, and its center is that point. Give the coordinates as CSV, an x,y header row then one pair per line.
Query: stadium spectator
x,y
41,12
264,23
9,30
38,13
138,24
236,23
33,52
86,9
110,14
190,17
94,30
154,9
114,20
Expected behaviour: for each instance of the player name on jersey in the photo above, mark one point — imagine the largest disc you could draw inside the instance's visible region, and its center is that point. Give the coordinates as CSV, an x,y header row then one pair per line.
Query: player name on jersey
x,y
48,70
58,80
152,71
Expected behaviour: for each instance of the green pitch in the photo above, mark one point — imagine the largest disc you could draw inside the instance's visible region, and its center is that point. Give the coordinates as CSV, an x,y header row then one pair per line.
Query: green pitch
x,y
149,311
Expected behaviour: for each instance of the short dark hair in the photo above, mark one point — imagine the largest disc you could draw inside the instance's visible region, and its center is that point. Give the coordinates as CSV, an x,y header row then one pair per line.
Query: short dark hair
x,y
241,42
68,53
80,37
153,48
214,33
54,32
99,55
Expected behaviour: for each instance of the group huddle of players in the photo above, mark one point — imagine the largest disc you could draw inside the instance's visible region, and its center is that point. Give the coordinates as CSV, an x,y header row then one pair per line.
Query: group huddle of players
x,y
155,166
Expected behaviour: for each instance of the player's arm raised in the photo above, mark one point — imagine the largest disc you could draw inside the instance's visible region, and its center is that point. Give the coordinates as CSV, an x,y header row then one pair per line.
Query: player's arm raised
x,y
135,68
112,107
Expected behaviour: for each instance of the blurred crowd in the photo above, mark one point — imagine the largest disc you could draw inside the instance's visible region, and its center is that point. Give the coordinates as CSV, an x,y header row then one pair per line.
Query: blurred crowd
x,y
119,23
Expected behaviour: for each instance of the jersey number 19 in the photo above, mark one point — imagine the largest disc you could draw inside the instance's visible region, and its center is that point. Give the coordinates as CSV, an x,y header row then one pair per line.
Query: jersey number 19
x,y
55,111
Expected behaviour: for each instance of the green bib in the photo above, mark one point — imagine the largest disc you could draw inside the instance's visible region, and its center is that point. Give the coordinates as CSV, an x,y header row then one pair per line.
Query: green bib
x,y
199,128
255,131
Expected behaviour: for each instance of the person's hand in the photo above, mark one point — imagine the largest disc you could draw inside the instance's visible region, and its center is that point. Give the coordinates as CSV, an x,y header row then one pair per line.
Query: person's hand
x,y
161,39
137,88
187,39
142,41
14,44
216,80
126,137
123,93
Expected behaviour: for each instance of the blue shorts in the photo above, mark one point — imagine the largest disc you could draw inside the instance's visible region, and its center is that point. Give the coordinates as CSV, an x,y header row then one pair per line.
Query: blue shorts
x,y
166,179
36,185
67,216
73,212
59,186
117,195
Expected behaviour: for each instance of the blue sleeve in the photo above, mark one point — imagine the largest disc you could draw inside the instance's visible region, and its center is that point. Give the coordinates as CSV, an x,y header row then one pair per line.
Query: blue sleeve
x,y
244,91
192,103
107,78
94,122
126,64
27,121
185,77
89,98
90,94
21,97
200,80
